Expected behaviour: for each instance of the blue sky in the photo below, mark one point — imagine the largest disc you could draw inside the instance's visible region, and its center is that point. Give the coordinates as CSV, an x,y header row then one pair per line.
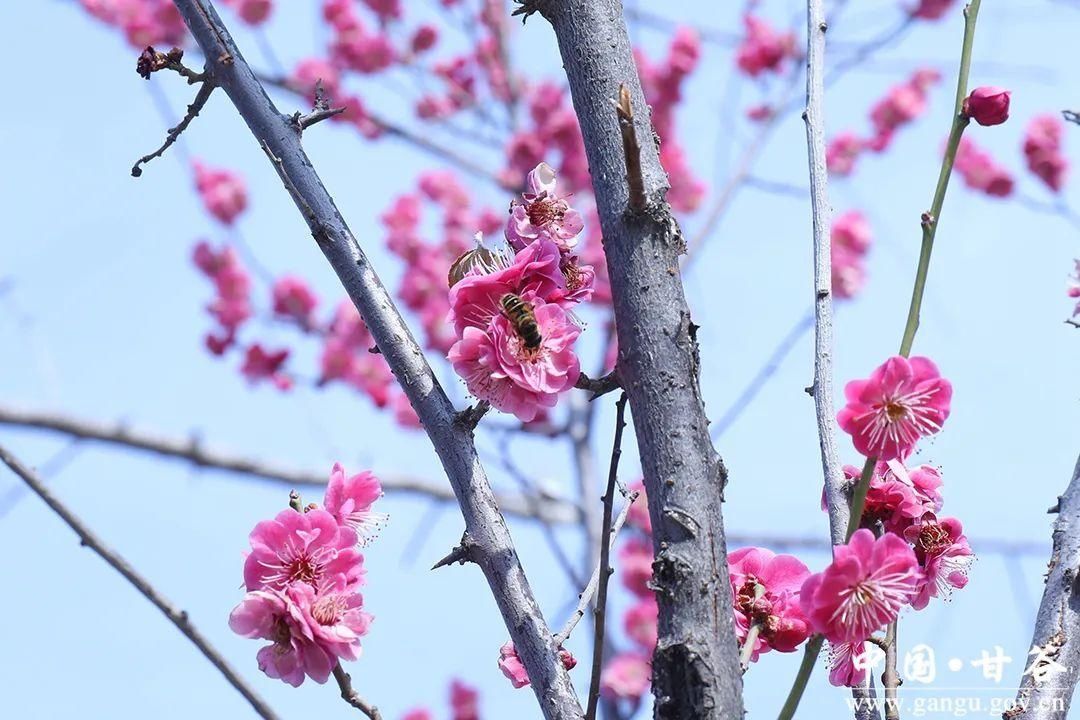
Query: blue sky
x,y
102,318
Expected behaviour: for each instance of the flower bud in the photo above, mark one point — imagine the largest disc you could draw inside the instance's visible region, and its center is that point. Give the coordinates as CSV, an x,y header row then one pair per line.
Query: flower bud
x,y
987,105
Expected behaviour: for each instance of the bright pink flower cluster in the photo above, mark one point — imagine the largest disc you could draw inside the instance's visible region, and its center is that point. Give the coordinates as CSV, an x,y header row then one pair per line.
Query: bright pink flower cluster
x,y
253,12
143,22
662,84
423,286
850,242
765,590
763,49
515,338
902,401
514,670
981,172
931,9
900,106
232,305
303,576
223,192
294,300
1042,150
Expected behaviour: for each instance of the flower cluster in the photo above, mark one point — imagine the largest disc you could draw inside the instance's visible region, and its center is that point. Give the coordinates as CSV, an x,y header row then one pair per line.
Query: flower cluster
x,y
223,192
552,130
981,172
515,336
662,84
232,305
763,49
765,590
1042,150
143,22
900,106
850,242
303,576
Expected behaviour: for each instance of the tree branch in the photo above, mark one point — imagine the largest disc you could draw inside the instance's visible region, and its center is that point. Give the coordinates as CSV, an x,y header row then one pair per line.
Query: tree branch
x,y
349,695
546,508
177,617
494,551
696,664
205,90
1050,676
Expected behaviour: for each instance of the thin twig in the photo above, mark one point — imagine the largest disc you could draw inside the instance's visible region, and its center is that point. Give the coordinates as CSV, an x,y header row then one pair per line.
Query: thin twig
x,y
635,184
890,679
349,695
600,612
599,386
177,617
193,110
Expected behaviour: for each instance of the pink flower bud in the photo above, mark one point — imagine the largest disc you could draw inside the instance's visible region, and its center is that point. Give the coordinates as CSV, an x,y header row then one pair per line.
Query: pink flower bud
x,y
987,105
424,38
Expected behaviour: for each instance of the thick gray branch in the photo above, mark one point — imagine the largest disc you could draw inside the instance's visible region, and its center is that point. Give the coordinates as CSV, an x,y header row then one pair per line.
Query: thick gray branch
x,y
494,553
547,509
696,670
823,310
177,617
1050,675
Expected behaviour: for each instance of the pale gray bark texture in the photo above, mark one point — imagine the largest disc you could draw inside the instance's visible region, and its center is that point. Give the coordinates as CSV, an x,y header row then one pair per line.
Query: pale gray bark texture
x,y
489,542
814,117
696,672
1057,626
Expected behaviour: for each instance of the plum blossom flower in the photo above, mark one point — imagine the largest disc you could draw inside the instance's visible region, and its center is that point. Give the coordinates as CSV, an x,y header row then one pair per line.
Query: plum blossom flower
x,y
864,588
765,588
980,171
294,654
512,667
349,500
898,496
902,401
309,547
418,714
626,677
253,12
931,9
763,49
640,622
850,242
842,152
944,554
222,191
1042,150
260,364
542,213
464,701
847,666
293,298
635,564
987,105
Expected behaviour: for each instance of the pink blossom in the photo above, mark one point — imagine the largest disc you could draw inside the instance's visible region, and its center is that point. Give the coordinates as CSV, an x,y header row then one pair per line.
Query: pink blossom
x,y
542,213
232,306
424,38
349,500
253,12
902,104
275,615
499,367
842,152
222,191
464,701
418,714
1074,287
626,677
260,364
293,298
847,663
980,171
931,9
902,401
385,9
987,105
640,622
864,588
308,547
310,72
897,496
635,565
944,555
404,414
1042,150
763,49
850,241
512,667
765,587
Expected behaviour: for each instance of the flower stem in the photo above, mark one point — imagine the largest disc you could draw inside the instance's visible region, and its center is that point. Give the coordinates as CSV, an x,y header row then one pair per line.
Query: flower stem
x,y
858,498
748,645
931,219
810,655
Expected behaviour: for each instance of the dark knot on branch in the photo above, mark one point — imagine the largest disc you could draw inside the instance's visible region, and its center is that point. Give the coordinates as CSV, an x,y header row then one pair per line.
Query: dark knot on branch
x,y
461,554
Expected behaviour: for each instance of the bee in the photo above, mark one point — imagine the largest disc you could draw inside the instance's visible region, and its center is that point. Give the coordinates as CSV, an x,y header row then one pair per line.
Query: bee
x,y
521,316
